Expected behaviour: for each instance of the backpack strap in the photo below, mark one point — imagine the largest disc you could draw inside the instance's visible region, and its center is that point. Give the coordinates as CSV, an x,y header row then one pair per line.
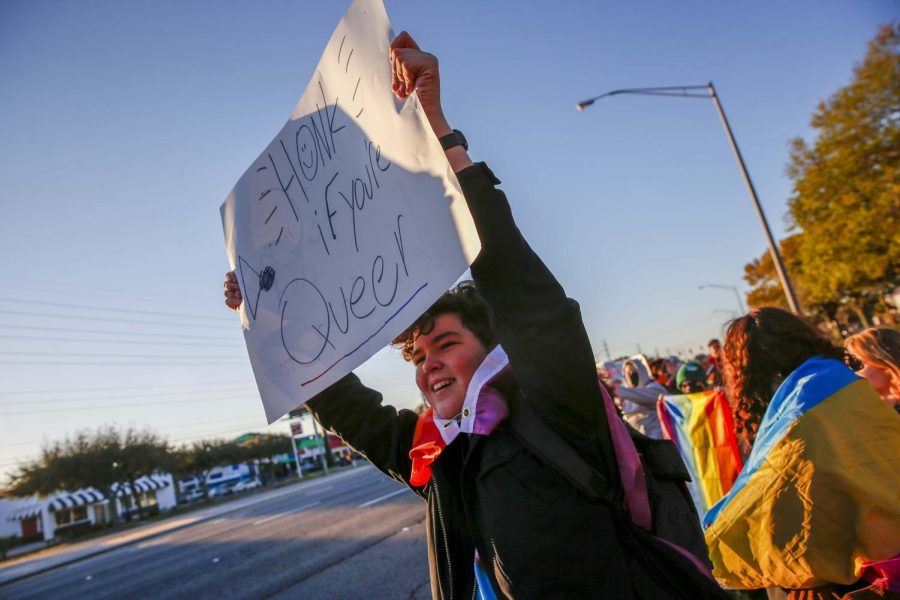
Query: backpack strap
x,y
541,439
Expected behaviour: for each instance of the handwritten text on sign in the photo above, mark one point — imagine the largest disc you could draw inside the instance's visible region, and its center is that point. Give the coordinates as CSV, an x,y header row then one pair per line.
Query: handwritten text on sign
x,y
347,226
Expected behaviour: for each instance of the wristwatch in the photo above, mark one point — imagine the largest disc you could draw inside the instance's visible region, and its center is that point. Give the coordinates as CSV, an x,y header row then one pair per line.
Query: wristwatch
x,y
454,138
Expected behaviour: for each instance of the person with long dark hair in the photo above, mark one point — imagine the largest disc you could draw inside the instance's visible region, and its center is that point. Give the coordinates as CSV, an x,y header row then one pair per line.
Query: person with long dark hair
x,y
761,349
815,508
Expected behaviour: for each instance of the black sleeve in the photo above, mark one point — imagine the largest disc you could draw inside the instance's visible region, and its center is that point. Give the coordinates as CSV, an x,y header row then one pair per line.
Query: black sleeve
x,y
381,433
538,326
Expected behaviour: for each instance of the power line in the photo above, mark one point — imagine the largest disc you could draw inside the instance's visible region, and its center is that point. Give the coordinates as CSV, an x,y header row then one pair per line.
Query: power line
x,y
118,310
53,286
104,319
199,436
126,387
238,422
236,394
102,341
115,355
109,332
127,396
107,407
182,439
60,363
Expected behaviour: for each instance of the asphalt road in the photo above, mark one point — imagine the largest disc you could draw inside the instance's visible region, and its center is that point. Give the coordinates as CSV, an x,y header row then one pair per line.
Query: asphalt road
x,y
354,535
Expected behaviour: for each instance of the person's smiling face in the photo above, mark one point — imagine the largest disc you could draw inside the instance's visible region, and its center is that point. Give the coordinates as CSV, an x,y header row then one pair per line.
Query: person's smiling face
x,y
445,359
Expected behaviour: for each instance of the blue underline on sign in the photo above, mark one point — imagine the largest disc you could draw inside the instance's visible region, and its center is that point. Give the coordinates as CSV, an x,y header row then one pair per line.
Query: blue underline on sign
x,y
365,341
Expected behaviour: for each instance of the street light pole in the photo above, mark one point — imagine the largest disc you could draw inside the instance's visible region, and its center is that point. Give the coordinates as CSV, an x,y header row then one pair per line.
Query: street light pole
x,y
689,91
773,247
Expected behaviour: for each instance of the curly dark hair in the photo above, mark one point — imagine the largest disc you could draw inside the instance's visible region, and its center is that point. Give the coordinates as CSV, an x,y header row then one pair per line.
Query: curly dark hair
x,y
466,302
761,349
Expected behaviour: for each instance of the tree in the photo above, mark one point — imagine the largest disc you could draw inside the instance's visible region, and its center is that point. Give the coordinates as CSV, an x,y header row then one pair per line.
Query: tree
x,y
765,286
100,459
263,447
142,453
201,457
847,185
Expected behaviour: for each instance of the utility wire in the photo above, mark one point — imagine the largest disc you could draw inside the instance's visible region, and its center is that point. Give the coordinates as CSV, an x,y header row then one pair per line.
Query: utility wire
x,y
237,422
247,390
117,310
60,363
102,341
113,332
127,387
115,355
107,407
26,313
117,404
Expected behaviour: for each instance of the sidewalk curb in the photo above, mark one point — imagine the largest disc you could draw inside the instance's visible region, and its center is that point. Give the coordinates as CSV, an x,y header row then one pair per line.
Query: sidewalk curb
x,y
149,536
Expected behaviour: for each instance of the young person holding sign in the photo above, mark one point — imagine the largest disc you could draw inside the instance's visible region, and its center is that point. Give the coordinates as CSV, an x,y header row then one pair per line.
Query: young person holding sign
x,y
483,353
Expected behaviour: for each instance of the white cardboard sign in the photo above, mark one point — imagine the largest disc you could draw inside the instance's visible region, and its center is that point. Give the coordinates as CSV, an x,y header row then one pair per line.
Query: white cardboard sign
x,y
347,226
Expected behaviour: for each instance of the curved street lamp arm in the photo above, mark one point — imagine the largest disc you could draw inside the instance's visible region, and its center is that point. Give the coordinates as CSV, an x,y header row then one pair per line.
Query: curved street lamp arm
x,y
680,91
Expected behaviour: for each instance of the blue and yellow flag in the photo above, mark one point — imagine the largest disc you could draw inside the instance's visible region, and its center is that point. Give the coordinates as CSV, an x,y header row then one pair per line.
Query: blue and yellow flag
x,y
819,496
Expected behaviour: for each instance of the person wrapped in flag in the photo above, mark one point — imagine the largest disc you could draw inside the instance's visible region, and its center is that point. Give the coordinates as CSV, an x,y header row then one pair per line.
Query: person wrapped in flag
x,y
700,423
815,510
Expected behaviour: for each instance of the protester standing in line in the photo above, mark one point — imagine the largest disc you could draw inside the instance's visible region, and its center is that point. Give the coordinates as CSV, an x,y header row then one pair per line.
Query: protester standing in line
x,y
814,513
691,378
639,394
714,371
875,354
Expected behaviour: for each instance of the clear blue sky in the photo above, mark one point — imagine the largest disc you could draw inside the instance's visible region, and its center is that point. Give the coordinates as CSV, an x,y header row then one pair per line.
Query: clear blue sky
x,y
125,124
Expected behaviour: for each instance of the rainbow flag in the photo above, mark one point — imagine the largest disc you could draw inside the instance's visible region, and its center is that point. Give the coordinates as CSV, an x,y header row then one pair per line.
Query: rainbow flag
x,y
819,496
702,428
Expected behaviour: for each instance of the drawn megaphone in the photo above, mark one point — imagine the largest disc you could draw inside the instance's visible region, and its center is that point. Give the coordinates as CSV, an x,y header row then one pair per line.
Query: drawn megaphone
x,y
254,283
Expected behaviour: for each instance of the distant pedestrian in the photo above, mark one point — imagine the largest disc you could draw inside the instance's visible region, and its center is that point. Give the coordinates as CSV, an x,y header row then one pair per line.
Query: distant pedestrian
x,y
639,394
714,361
691,378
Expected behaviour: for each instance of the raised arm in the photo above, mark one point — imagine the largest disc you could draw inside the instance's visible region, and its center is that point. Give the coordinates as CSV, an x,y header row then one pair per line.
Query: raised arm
x,y
538,326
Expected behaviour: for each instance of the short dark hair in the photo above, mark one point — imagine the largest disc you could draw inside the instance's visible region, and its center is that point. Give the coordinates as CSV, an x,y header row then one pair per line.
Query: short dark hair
x,y
463,300
714,341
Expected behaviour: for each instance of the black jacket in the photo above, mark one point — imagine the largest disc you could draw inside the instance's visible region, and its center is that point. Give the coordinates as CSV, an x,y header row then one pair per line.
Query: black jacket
x,y
538,537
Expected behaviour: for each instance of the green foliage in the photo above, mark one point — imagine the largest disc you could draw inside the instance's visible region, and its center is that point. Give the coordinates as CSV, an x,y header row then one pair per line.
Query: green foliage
x,y
265,446
262,447
97,459
199,458
760,274
846,196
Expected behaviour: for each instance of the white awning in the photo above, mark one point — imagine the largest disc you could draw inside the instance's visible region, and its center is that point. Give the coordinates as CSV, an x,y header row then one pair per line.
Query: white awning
x,y
25,512
65,500
142,485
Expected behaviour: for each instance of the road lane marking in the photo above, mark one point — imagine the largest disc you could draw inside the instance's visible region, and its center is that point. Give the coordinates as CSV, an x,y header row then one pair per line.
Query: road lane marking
x,y
284,514
380,498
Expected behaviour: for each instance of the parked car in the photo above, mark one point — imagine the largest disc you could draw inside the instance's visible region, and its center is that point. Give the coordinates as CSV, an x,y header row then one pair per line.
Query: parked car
x,y
309,465
223,489
246,485
191,495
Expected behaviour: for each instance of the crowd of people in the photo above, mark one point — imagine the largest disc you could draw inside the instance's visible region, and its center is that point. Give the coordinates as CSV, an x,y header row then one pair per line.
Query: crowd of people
x,y
814,513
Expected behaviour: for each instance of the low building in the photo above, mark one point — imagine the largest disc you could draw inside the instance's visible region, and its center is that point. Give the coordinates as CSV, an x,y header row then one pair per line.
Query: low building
x,y
59,513
67,512
155,493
